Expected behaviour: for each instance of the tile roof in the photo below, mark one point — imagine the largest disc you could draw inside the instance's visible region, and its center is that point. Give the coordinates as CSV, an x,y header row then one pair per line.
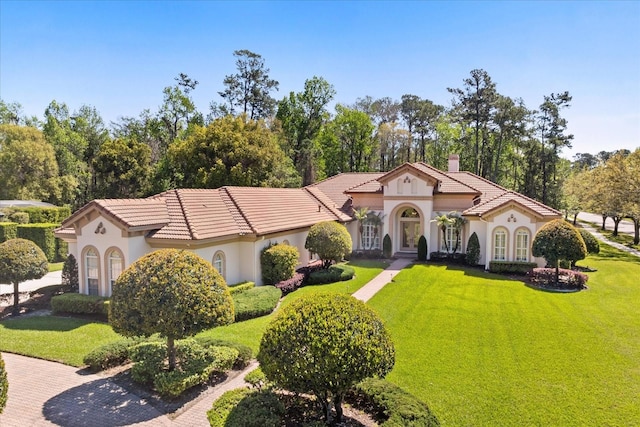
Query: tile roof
x,y
508,197
488,189
132,213
372,186
269,210
334,187
448,184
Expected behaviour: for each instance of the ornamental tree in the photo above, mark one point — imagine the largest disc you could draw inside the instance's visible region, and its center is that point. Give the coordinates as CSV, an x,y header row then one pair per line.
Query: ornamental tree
x,y
473,249
171,292
558,240
21,260
324,344
422,249
330,240
70,273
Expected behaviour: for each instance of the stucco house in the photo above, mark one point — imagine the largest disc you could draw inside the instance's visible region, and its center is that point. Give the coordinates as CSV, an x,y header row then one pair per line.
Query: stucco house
x,y
231,225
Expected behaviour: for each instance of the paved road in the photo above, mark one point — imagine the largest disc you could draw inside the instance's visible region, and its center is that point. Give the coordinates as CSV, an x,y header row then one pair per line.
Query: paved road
x,y
625,226
53,278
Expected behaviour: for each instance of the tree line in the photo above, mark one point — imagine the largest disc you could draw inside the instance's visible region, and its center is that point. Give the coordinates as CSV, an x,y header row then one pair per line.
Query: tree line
x,y
247,137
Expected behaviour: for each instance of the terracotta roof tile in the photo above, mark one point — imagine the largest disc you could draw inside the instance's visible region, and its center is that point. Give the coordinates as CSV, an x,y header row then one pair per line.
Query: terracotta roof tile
x,y
269,210
334,187
508,197
372,186
132,213
488,189
448,184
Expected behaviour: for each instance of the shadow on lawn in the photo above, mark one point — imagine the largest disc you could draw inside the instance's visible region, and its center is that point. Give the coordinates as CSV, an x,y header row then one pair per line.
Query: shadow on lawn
x,y
44,323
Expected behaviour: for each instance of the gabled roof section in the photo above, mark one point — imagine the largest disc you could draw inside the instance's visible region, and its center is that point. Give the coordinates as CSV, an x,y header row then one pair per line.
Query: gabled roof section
x,y
132,214
492,205
334,187
372,186
448,184
270,210
412,168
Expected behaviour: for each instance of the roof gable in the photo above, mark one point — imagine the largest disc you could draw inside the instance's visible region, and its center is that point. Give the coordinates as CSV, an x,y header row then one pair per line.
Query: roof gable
x,y
494,205
412,169
129,214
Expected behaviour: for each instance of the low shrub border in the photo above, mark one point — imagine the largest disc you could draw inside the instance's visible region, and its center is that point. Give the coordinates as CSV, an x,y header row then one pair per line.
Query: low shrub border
x,y
80,304
569,280
335,273
288,286
256,302
241,287
391,404
511,267
245,354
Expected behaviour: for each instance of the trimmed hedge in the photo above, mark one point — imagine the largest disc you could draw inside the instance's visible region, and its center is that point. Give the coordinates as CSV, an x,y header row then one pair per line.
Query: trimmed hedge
x,y
8,231
243,407
41,235
511,267
44,215
109,355
241,287
80,304
392,404
19,217
335,273
256,302
245,354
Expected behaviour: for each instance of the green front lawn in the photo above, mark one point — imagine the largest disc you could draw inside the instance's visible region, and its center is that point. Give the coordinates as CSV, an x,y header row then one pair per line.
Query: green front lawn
x,y
483,350
67,340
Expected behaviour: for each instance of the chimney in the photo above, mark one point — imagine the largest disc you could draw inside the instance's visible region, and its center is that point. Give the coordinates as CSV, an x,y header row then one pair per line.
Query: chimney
x,y
454,163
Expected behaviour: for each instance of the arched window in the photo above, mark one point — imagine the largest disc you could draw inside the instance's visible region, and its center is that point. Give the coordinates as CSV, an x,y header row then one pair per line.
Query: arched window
x,y
115,265
219,263
410,213
522,245
92,270
500,245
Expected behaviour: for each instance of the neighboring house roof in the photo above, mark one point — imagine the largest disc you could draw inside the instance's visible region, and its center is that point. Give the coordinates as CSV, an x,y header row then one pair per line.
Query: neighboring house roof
x,y
24,204
487,207
335,186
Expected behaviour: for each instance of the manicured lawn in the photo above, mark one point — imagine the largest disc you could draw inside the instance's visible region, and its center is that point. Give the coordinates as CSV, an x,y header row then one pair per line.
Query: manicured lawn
x,y
486,351
55,266
67,340
60,339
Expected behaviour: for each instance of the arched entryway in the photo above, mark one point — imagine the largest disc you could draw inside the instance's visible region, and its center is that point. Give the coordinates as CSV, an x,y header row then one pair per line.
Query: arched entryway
x,y
409,230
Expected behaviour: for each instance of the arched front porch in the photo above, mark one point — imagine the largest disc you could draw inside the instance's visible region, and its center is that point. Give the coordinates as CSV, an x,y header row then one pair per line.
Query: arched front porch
x,y
407,224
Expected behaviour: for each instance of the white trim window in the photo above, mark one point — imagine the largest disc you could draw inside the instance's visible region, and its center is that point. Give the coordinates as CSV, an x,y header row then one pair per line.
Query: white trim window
x,y
219,263
522,245
115,266
93,275
500,245
370,240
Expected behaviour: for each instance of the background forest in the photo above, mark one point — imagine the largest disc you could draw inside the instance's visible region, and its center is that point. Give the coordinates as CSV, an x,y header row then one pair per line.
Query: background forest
x,y
249,138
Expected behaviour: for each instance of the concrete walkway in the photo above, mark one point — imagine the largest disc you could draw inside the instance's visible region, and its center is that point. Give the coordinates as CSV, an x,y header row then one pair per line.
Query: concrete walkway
x,y
43,393
370,289
602,238
53,278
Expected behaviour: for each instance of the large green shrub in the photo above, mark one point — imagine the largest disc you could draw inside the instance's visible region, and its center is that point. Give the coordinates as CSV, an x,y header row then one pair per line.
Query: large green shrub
x,y
109,355
324,344
278,263
386,246
245,354
391,403
590,241
4,385
558,240
171,292
243,407
335,273
330,241
70,273
79,304
21,260
473,249
256,302
8,231
422,248
41,235
223,406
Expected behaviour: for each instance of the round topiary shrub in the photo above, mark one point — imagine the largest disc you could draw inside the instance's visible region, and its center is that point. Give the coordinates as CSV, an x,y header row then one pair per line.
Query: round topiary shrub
x,y
558,240
171,292
473,249
330,241
324,344
278,263
21,260
590,241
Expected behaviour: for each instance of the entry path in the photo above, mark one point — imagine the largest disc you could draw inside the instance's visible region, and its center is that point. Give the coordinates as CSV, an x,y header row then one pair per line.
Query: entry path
x,y
370,289
602,238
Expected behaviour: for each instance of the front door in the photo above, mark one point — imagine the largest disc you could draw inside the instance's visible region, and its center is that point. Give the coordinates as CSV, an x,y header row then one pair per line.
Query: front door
x,y
410,235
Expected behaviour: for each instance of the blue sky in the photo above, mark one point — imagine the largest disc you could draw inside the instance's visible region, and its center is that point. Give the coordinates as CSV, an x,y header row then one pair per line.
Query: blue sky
x,y
118,56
